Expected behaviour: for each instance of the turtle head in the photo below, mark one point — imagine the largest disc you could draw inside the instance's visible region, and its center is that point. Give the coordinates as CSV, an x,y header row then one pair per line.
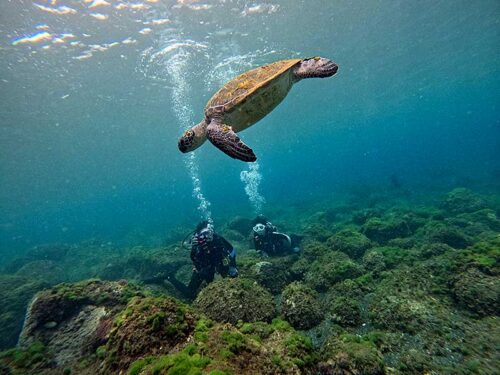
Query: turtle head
x,y
315,67
193,138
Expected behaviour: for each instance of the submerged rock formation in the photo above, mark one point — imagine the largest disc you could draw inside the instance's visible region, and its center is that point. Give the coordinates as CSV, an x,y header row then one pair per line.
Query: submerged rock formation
x,y
72,320
393,289
231,300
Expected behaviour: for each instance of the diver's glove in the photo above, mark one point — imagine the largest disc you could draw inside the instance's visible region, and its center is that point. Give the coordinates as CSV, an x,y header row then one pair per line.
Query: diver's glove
x,y
233,272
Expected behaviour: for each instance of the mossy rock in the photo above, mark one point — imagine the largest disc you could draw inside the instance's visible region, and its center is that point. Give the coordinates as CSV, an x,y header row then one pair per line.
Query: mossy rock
x,y
484,254
374,261
66,299
15,294
486,217
317,231
351,242
404,301
300,306
362,216
462,200
331,268
477,292
54,252
403,243
349,354
32,360
223,349
231,300
382,230
390,255
43,270
72,320
345,311
148,326
273,275
311,250
435,249
447,234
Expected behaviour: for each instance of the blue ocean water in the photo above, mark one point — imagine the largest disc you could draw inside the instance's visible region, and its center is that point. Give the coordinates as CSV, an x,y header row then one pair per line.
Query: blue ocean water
x,y
95,95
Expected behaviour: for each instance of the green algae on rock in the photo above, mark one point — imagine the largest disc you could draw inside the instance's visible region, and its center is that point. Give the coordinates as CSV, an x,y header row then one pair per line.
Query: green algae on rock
x,y
231,300
331,268
477,291
351,242
462,200
345,311
147,326
382,230
15,294
300,306
272,275
72,320
350,354
250,348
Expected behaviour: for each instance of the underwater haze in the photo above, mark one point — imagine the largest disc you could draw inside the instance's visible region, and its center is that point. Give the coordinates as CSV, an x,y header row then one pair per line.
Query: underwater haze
x,y
96,94
380,186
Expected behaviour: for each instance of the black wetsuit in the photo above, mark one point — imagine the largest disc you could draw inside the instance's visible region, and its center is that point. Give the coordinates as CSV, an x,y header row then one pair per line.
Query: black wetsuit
x,y
271,242
208,258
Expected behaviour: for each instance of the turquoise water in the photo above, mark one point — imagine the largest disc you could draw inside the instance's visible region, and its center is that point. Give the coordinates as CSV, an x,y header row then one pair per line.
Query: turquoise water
x,y
94,98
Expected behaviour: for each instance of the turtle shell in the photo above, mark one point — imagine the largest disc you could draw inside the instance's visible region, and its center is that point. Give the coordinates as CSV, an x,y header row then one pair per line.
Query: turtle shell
x,y
237,91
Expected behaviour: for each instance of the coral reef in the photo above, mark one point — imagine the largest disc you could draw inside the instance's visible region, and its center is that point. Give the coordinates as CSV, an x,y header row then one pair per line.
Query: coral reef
x,y
231,300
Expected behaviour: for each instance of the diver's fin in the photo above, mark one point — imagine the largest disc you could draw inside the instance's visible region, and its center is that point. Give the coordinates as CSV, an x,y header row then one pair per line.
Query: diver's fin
x,y
225,139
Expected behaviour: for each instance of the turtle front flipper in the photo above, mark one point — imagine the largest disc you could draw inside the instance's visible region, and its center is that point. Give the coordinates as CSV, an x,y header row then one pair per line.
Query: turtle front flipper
x,y
225,139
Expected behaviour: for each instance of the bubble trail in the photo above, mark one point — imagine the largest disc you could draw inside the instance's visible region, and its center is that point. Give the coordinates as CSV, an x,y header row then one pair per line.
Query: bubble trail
x,y
177,68
252,179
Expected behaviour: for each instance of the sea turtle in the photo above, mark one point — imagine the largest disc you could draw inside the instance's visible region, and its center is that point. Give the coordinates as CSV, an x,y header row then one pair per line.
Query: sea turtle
x,y
246,99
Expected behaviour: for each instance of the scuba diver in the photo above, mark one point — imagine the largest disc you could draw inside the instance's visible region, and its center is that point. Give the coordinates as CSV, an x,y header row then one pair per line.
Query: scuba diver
x,y
268,241
210,253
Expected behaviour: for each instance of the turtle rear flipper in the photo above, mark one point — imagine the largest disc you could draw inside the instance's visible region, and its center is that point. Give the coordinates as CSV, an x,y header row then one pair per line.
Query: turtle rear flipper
x,y
225,139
